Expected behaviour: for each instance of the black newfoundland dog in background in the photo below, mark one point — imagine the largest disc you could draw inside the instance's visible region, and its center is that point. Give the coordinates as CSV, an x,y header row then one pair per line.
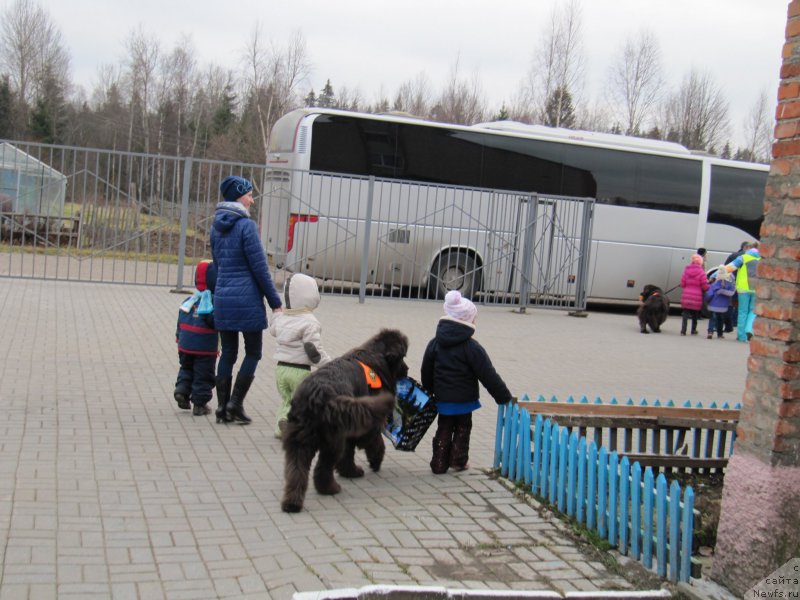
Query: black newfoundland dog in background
x,y
653,309
342,405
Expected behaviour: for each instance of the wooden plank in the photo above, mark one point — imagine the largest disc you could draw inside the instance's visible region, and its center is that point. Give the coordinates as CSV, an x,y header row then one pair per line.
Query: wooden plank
x,y
697,435
696,423
586,421
562,408
653,460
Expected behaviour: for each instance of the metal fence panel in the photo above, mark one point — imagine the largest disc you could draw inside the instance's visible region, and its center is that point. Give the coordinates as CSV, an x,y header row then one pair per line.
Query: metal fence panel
x,y
418,240
145,219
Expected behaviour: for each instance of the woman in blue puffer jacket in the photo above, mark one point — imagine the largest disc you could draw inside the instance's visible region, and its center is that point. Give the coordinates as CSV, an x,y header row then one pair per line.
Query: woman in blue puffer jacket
x,y
243,281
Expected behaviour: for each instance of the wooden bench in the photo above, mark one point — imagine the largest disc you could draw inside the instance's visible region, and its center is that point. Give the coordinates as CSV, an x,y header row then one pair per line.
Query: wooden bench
x,y
662,437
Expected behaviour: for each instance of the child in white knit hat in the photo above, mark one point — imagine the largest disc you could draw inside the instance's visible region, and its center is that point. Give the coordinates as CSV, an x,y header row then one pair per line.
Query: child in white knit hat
x,y
299,340
452,366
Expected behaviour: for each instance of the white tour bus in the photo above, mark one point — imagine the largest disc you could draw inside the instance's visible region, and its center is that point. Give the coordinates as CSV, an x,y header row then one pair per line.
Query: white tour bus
x,y
655,202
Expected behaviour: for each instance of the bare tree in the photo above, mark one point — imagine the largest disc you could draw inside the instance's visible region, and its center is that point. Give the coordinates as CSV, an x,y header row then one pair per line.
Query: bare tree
x,y
635,82
32,52
141,65
697,114
212,108
593,117
109,107
414,96
178,78
462,101
759,126
273,79
349,99
557,70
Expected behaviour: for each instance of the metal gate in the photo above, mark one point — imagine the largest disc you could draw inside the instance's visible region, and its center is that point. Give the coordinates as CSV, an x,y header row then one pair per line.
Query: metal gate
x,y
82,214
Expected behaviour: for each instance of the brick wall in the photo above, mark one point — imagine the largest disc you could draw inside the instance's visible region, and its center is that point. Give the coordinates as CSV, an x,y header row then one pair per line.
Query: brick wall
x,y
759,526
770,426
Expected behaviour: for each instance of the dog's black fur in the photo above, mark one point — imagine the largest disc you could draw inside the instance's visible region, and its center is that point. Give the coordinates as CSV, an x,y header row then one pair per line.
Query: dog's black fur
x,y
653,309
334,411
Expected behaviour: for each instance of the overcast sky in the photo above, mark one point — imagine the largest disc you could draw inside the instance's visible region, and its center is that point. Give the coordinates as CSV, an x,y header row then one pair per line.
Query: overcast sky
x,y
373,44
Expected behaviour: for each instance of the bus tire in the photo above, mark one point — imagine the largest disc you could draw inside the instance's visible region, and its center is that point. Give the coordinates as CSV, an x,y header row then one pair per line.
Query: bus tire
x,y
454,271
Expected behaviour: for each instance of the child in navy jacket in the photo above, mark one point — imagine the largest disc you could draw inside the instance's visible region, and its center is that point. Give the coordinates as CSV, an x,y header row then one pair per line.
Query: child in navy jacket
x,y
198,344
452,366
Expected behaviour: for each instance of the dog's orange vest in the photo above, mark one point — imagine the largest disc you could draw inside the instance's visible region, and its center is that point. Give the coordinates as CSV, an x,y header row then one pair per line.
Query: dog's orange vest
x,y
373,381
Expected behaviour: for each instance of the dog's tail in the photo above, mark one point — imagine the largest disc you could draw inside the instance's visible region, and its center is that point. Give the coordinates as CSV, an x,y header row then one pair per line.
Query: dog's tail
x,y
359,415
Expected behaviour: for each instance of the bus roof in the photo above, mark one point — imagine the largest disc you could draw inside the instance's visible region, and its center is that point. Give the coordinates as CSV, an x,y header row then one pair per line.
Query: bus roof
x,y
560,133
542,132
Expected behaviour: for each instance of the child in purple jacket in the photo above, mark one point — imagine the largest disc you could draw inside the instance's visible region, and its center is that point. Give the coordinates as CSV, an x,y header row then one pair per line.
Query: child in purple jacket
x,y
719,297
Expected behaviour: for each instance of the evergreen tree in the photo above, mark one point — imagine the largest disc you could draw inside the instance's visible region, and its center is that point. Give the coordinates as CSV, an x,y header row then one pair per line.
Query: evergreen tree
x,y
559,111
48,121
502,115
326,97
726,150
42,122
6,108
311,99
224,116
653,134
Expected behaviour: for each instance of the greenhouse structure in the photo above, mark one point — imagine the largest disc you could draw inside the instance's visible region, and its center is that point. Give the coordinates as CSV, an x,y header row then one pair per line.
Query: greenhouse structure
x,y
28,186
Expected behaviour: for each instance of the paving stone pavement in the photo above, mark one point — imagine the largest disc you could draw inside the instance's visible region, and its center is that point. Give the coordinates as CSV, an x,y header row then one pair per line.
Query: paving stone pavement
x,y
107,490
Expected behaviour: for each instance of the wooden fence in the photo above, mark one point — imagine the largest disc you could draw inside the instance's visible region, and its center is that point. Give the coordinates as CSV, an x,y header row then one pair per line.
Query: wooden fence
x,y
669,438
624,502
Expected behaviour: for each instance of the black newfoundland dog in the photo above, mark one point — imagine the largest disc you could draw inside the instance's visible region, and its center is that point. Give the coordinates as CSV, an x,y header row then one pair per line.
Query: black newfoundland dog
x,y
653,309
341,406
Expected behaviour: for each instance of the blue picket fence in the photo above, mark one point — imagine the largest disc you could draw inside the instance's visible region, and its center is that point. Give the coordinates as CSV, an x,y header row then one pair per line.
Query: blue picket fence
x,y
635,511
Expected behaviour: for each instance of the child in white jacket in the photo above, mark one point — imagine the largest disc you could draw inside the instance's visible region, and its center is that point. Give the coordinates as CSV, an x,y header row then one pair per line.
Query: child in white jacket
x,y
299,337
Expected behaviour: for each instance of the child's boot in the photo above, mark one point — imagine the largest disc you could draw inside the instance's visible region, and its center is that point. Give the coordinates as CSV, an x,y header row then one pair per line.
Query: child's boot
x,y
440,461
198,410
223,396
459,455
182,398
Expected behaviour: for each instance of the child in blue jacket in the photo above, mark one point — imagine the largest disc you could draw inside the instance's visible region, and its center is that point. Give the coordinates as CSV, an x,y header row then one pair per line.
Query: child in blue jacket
x,y
198,344
718,299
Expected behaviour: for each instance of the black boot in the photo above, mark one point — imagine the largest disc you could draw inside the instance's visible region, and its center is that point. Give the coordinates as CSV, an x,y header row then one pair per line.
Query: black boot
x,y
223,397
234,408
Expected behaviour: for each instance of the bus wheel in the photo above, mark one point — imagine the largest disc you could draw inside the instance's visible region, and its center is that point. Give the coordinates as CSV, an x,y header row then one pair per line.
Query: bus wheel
x,y
454,271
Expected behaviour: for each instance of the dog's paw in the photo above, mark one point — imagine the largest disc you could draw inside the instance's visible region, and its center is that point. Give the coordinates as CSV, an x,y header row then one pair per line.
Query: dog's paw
x,y
645,331
330,489
375,465
291,507
350,471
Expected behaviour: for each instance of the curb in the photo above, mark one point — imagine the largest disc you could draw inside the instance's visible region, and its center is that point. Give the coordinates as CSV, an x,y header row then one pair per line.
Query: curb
x,y
384,592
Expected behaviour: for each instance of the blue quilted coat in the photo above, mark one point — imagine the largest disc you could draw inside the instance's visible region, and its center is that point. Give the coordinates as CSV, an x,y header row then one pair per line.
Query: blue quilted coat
x,y
243,279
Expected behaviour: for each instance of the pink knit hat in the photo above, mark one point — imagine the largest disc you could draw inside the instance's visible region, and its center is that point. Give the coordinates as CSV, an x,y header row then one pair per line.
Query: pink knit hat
x,y
697,259
458,307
